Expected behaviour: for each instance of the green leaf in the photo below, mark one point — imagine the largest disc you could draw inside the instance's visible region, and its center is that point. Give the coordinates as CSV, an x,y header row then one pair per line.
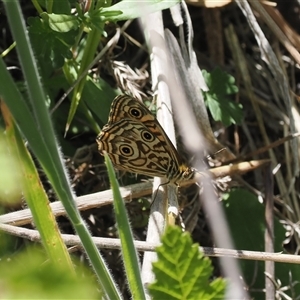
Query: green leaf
x,y
182,271
246,219
98,95
98,17
135,9
221,85
62,23
58,7
30,275
55,46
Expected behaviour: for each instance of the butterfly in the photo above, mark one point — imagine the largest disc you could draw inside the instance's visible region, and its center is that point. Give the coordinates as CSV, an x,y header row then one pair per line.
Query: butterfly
x,y
135,142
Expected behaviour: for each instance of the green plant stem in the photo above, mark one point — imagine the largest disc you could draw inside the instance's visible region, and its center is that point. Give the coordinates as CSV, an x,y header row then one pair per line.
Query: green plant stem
x,y
37,6
88,55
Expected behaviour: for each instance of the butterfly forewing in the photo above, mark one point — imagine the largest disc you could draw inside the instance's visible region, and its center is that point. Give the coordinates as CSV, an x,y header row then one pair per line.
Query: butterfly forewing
x,y
124,106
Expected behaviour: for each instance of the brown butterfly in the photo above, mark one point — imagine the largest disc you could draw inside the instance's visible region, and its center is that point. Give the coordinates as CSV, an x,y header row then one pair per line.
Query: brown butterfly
x,y
135,142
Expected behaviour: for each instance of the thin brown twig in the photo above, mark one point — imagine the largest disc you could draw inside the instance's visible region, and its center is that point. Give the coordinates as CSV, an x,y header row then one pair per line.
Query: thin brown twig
x,y
129,192
269,231
264,149
111,243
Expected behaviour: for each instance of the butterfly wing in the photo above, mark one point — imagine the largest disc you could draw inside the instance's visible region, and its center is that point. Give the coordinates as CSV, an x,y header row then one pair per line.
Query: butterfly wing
x,y
134,147
124,106
135,142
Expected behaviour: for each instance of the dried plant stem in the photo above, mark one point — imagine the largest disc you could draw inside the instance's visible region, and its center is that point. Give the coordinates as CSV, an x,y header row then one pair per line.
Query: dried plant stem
x,y
108,243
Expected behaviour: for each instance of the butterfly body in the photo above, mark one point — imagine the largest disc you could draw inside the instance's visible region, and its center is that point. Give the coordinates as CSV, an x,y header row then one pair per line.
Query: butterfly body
x,y
135,142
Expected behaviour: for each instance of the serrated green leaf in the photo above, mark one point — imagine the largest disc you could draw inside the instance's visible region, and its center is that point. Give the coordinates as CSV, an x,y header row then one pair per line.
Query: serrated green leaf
x,y
182,271
55,46
224,110
220,82
221,85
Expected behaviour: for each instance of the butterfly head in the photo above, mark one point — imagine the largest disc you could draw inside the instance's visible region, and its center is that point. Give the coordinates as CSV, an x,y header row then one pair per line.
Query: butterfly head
x,y
184,173
187,173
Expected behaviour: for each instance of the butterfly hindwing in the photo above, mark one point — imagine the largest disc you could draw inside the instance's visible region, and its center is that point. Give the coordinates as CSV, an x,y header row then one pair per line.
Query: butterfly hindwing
x,y
135,142
133,147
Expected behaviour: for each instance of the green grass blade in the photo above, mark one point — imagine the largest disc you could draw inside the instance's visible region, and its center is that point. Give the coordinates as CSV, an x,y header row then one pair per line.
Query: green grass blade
x,y
129,253
38,130
35,195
